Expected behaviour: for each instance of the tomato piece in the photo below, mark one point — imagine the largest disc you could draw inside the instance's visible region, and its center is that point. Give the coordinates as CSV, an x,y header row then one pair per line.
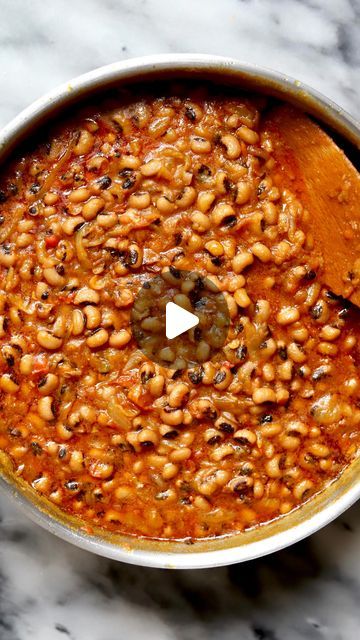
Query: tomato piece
x,y
52,241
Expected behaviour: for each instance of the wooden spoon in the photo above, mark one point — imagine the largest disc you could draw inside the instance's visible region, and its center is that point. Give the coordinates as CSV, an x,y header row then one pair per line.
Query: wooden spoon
x,y
328,186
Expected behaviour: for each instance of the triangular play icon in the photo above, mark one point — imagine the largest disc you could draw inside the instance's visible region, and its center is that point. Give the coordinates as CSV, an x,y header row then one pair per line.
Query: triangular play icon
x,y
178,320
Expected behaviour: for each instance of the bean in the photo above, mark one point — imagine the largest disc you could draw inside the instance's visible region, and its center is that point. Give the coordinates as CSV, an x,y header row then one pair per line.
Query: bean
x,y
45,408
200,222
288,315
119,339
48,340
53,277
92,315
241,261
151,168
232,146
79,195
86,295
200,145
97,339
264,394
8,384
247,135
178,394
92,207
84,144
241,298
48,384
261,252
78,322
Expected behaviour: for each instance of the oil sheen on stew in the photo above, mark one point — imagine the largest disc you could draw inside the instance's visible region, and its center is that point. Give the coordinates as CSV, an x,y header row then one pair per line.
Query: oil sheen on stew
x,y
186,181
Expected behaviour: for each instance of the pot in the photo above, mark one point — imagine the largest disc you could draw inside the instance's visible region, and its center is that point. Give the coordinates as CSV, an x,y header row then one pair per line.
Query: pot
x,y
320,509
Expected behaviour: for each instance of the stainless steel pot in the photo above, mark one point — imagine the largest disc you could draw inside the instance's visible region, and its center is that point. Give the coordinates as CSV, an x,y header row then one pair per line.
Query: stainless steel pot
x,y
318,511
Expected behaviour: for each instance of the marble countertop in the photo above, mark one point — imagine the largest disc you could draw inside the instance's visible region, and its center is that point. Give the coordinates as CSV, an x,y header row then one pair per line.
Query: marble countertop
x,y
50,590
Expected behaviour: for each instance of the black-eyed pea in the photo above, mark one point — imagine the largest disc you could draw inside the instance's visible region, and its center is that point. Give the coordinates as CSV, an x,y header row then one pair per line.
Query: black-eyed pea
x,y
288,315
48,383
319,450
156,385
98,338
123,298
8,383
101,470
282,395
42,484
222,378
119,339
186,198
170,470
329,333
231,305
92,207
272,467
242,298
200,222
76,462
84,144
296,353
53,277
165,204
213,436
8,256
148,437
261,251
245,436
139,200
263,394
79,195
180,455
92,315
134,256
223,214
46,408
107,220
151,168
247,135
221,452
205,200
215,248
232,146
302,488
187,438
171,416
241,261
70,225
327,349
200,145
26,364
85,295
285,370
77,322
178,394
243,192
47,340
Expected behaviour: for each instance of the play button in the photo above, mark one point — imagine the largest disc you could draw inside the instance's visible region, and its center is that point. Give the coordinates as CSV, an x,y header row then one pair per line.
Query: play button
x,y
178,320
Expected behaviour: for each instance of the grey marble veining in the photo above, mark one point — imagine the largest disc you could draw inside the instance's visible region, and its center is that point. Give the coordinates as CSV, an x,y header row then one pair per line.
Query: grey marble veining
x,y
50,590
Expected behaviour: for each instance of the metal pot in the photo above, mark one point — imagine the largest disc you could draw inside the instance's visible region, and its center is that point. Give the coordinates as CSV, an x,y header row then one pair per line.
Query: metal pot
x,y
338,495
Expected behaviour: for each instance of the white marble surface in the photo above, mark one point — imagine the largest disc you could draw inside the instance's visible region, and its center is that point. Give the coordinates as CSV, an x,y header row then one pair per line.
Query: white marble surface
x,y
50,590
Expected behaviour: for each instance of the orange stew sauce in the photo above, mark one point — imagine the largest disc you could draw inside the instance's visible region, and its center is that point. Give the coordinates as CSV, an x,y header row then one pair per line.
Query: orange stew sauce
x,y
148,186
